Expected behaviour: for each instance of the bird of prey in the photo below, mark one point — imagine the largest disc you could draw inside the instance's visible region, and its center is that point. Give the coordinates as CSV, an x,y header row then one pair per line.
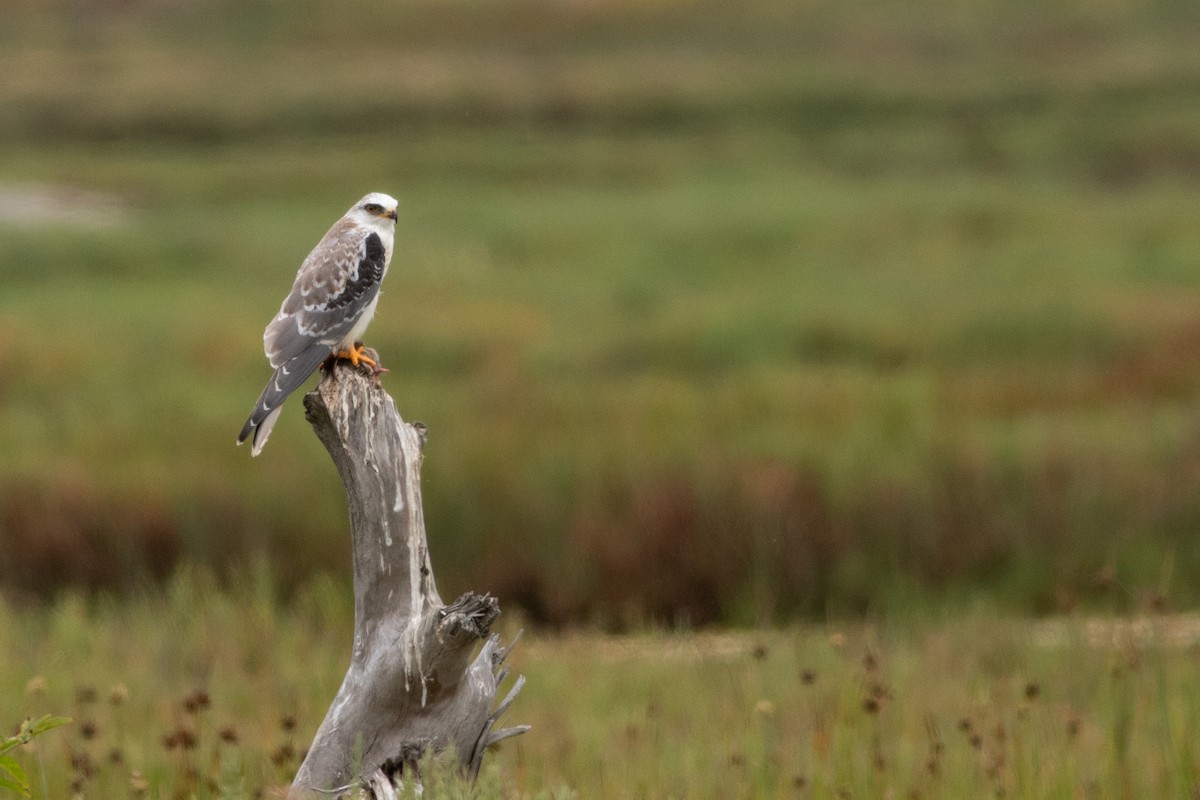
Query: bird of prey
x,y
328,309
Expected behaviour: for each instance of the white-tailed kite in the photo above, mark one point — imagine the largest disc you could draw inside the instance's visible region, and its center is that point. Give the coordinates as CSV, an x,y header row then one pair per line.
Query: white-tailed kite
x,y
329,307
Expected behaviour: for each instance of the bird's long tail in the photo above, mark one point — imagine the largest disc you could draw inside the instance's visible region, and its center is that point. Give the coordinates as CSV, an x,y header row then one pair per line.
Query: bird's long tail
x,y
287,378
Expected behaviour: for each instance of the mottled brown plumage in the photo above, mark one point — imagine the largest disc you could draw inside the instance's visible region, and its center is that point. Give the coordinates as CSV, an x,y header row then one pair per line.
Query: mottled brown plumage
x,y
329,307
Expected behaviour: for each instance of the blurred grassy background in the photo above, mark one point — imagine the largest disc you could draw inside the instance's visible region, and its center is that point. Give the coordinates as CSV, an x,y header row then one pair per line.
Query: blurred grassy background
x,y
716,312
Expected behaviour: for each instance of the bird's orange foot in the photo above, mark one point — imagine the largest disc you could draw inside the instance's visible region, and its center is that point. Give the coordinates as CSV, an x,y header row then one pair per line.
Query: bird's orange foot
x,y
355,356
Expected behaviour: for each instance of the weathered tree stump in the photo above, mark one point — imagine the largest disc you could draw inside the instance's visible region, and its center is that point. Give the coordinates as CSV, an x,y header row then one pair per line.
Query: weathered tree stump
x,y
412,686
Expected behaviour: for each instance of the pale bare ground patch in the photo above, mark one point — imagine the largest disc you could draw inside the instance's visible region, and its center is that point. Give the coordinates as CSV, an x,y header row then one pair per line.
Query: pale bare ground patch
x,y
667,647
1175,631
1181,630
39,204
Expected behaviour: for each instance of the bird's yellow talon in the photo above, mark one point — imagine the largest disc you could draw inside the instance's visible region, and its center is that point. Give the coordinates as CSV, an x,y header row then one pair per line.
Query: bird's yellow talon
x,y
355,355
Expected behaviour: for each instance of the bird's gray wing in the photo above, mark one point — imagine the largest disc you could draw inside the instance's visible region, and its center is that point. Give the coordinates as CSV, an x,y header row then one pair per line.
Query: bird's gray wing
x,y
287,378
337,281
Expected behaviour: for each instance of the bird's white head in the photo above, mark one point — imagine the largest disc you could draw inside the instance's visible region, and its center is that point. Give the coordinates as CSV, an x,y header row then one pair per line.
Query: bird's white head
x,y
376,210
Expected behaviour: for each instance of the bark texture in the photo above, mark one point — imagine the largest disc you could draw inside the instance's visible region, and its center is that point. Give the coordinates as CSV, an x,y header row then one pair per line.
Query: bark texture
x,y
413,683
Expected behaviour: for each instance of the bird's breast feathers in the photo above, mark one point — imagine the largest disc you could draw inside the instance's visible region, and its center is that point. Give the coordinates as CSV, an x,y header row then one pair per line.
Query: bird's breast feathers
x,y
360,327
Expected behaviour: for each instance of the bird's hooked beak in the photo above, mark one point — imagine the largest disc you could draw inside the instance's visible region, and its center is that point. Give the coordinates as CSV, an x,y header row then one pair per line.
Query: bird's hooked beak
x,y
391,214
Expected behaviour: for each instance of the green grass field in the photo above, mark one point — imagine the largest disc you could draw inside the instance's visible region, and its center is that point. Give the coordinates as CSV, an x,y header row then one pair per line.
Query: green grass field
x,y
977,705
867,305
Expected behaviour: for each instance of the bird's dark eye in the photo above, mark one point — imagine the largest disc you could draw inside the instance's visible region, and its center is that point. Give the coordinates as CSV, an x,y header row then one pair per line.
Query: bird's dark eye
x,y
373,208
